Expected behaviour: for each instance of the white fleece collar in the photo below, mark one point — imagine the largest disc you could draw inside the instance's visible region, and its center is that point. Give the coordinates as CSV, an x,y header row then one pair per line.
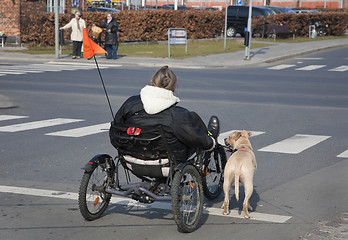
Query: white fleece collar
x,y
157,99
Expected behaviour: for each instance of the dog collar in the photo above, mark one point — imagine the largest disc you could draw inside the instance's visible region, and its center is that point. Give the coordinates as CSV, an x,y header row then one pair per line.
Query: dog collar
x,y
243,148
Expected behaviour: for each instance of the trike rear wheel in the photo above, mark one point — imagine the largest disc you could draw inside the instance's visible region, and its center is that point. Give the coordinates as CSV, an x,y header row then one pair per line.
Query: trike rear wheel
x,y
93,200
187,198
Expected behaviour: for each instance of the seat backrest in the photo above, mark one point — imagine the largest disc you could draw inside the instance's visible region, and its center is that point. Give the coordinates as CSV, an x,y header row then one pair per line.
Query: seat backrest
x,y
147,143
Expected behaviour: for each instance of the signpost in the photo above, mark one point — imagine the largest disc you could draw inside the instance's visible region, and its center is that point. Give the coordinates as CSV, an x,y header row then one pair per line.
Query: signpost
x,y
225,32
248,33
177,36
56,28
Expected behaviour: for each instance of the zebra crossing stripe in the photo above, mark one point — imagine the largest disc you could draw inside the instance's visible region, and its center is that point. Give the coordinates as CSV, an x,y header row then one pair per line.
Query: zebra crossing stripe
x,y
222,136
38,124
295,144
10,117
310,58
89,64
83,131
342,68
344,154
23,70
9,72
44,68
282,66
310,67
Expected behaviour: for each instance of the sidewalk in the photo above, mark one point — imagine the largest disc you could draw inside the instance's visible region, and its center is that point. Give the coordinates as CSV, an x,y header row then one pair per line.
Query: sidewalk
x,y
274,52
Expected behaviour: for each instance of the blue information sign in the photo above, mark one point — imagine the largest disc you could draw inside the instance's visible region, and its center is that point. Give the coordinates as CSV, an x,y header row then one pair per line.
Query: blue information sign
x,y
239,2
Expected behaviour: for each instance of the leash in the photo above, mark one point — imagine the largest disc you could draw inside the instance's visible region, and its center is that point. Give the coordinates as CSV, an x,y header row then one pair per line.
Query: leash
x,y
232,150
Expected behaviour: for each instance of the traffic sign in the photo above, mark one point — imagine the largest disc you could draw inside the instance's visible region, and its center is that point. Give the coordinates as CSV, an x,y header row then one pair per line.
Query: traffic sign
x,y
239,2
177,36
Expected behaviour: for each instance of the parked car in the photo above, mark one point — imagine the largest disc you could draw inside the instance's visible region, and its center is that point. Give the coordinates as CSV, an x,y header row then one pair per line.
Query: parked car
x,y
102,9
171,7
275,10
237,18
282,9
205,8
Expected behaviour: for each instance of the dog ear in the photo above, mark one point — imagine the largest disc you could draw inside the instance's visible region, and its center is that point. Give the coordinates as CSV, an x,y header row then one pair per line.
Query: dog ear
x,y
246,133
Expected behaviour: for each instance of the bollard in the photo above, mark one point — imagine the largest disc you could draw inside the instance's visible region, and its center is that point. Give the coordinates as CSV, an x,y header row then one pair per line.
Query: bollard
x,y
61,37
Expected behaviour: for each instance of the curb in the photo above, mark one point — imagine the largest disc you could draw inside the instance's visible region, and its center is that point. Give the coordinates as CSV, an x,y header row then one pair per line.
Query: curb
x,y
279,58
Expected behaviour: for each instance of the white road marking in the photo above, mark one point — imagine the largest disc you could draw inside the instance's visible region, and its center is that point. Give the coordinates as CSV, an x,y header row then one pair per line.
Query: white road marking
x,y
222,136
11,117
342,68
37,124
23,70
132,203
311,58
295,144
44,68
9,72
310,67
282,66
90,64
83,131
344,154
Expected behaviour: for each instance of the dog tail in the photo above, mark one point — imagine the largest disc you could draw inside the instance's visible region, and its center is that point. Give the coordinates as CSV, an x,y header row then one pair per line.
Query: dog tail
x,y
236,186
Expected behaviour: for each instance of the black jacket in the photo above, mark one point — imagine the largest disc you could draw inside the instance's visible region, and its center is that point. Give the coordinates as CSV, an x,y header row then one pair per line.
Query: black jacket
x,y
110,37
184,130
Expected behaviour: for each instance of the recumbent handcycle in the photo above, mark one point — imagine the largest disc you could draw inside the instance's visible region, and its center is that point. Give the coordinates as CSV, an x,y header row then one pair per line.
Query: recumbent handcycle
x,y
144,153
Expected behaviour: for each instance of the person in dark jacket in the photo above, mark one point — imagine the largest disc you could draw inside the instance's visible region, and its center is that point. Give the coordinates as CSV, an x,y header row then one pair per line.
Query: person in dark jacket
x,y
111,40
157,105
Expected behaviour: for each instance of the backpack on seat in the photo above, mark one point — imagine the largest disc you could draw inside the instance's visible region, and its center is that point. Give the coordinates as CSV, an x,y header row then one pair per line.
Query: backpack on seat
x,y
142,150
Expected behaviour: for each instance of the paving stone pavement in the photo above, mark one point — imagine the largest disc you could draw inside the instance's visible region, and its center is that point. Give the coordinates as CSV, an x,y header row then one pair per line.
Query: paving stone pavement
x,y
336,229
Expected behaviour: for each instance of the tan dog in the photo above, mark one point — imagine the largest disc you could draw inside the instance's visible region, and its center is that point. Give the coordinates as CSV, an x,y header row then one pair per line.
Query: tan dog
x,y
241,166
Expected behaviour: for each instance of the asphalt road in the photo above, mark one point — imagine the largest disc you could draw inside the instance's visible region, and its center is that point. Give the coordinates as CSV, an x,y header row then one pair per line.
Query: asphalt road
x,y
297,110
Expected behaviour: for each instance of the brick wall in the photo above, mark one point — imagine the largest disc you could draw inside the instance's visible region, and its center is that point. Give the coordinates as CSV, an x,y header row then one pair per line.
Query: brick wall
x,y
12,11
10,17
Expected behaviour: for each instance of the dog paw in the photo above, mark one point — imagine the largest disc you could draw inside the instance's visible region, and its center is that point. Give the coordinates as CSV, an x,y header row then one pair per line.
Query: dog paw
x,y
225,213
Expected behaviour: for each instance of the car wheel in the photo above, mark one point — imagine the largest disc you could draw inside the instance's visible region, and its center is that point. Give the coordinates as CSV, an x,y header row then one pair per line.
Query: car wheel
x,y
231,32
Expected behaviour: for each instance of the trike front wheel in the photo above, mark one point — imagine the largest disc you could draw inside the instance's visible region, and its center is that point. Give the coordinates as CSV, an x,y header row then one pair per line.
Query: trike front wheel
x,y
213,175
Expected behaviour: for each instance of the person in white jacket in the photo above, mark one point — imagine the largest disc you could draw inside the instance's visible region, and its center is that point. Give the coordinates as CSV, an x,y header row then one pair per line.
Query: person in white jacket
x,y
76,24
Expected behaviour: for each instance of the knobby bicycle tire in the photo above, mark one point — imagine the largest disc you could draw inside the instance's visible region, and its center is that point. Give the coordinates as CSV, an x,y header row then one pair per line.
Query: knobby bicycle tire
x,y
93,203
187,199
213,175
